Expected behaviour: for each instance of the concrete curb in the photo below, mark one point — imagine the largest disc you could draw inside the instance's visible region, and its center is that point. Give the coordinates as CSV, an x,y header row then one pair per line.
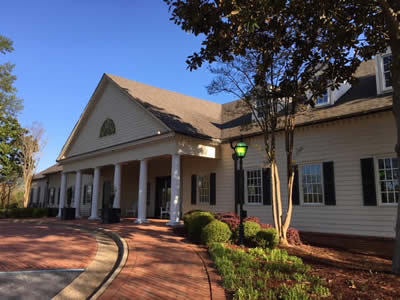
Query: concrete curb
x,y
119,265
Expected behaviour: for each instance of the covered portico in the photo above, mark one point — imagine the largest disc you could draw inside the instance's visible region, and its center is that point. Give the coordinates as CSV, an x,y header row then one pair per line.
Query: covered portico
x,y
133,173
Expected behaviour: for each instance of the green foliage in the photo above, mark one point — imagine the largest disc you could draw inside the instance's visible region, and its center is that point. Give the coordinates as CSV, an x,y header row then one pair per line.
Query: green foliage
x,y
11,158
21,213
9,103
39,213
265,274
196,223
11,131
186,216
216,231
267,238
250,231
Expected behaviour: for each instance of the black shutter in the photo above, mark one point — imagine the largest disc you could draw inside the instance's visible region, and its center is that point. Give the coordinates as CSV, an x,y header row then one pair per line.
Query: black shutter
x,y
213,189
194,189
329,183
58,196
296,191
84,194
266,178
368,181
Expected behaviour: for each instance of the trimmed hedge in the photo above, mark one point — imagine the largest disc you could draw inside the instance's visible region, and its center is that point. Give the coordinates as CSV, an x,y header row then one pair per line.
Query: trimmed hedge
x,y
267,238
196,222
216,232
20,213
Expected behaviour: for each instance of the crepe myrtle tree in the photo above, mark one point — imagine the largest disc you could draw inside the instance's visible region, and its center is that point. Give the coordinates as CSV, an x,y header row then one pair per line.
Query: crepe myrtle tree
x,y
271,111
264,38
337,34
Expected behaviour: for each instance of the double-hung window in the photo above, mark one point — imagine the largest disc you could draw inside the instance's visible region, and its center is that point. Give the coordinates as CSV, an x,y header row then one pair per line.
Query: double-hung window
x,y
203,188
386,68
254,193
312,181
388,174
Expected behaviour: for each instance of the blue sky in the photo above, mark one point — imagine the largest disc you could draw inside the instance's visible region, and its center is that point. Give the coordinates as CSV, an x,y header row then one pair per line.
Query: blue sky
x,y
62,48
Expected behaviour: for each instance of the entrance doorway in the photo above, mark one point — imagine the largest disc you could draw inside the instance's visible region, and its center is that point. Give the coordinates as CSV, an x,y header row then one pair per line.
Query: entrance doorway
x,y
163,194
107,194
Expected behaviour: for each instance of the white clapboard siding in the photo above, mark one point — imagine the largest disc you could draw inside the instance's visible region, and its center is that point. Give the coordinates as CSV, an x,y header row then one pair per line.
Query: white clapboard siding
x,y
132,122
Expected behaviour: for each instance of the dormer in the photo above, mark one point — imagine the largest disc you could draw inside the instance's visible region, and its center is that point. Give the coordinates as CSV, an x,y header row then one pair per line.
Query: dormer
x,y
331,96
383,72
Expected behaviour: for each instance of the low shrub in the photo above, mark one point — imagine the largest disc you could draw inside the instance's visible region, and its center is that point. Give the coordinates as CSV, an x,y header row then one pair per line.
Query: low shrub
x,y
267,238
20,213
252,219
39,213
187,215
231,219
195,224
216,232
250,231
293,237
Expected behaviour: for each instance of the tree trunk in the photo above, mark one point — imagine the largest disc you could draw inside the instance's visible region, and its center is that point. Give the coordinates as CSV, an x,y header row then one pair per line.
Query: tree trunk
x,y
396,111
279,201
274,198
27,190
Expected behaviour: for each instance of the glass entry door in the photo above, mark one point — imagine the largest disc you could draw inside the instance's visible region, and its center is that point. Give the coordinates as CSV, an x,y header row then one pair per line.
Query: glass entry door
x,y
163,194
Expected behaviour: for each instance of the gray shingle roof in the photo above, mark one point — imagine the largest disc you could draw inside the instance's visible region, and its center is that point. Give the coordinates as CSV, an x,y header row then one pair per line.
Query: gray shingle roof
x,y
201,118
51,170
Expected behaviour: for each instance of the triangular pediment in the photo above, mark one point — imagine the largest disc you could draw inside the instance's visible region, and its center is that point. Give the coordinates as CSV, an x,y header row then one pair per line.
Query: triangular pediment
x,y
111,118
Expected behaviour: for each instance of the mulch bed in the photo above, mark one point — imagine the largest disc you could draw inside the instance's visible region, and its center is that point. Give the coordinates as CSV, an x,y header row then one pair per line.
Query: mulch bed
x,y
351,275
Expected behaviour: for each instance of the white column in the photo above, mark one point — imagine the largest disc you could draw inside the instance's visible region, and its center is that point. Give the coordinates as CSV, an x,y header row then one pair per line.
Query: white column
x,y
96,194
77,196
174,210
142,192
63,189
117,186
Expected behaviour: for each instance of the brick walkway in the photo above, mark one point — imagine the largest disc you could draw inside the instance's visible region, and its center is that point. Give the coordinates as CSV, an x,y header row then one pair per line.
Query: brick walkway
x,y
160,265
25,246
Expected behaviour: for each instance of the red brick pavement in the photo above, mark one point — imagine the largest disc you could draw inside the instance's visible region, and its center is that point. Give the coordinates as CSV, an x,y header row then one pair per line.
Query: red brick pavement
x,y
160,265
29,246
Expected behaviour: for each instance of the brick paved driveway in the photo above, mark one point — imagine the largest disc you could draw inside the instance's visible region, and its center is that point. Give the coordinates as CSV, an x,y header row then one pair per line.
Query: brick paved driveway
x,y
161,265
25,246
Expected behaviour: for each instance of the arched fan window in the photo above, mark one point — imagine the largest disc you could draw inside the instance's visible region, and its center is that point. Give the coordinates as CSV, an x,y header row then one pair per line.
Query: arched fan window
x,y
108,128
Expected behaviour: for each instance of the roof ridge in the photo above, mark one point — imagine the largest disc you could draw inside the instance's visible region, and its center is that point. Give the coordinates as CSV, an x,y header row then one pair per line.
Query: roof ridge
x,y
169,91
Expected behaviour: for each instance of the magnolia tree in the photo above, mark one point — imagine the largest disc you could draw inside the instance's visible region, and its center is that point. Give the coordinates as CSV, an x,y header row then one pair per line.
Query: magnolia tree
x,y
33,144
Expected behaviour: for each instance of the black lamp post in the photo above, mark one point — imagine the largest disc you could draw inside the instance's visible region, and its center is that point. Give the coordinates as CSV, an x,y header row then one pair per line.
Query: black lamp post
x,y
240,151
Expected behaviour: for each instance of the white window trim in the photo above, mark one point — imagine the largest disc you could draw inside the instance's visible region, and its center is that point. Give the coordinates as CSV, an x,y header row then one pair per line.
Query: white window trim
x,y
198,190
301,184
246,198
380,77
377,180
